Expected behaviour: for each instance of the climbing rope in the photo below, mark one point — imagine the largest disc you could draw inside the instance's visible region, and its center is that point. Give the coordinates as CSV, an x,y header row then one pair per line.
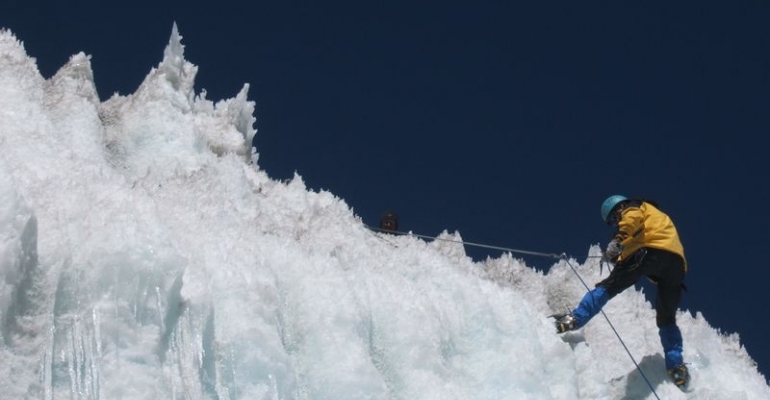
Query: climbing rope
x,y
631,356
561,256
516,251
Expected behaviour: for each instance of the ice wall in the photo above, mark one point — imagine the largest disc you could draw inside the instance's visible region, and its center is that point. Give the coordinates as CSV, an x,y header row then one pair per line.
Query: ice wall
x,y
144,255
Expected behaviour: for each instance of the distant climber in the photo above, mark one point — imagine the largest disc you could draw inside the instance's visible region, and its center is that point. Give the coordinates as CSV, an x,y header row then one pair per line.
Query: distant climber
x,y
645,243
389,222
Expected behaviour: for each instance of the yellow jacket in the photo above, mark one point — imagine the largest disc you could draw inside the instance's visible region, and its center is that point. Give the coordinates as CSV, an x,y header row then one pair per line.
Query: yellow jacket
x,y
646,226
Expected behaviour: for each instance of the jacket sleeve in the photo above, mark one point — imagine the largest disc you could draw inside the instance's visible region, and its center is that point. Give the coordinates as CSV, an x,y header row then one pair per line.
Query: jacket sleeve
x,y
631,228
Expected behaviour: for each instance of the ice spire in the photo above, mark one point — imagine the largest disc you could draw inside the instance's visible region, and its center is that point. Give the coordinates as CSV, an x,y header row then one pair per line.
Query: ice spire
x,y
180,73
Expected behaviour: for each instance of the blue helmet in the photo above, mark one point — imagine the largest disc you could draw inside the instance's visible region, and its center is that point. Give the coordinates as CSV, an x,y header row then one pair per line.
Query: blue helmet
x,y
610,204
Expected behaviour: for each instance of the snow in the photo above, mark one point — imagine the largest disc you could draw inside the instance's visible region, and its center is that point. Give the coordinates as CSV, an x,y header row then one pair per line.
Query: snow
x,y
145,255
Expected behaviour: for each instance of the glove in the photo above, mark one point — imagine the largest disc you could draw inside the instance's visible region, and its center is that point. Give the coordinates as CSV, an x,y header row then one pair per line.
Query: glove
x,y
613,251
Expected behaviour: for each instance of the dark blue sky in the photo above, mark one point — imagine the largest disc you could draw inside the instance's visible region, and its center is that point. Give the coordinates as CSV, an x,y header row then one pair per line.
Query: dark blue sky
x,y
509,123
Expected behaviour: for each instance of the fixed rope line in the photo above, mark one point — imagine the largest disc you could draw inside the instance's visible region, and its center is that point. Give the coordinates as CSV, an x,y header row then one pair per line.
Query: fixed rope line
x,y
638,368
486,246
562,256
